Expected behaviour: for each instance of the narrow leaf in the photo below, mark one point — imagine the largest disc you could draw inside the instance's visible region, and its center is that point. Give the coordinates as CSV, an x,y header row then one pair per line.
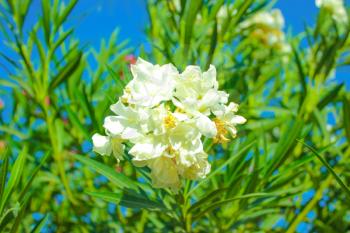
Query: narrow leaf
x,y
330,96
346,116
220,203
134,200
117,178
39,226
107,196
330,169
66,72
243,150
15,176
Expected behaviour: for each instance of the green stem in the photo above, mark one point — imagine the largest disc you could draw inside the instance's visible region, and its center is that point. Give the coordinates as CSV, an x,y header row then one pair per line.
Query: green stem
x,y
300,217
185,217
58,156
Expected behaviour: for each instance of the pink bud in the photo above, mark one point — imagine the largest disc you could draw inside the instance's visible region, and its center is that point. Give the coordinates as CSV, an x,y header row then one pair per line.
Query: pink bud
x,y
73,151
65,121
2,145
118,168
2,104
47,100
130,58
121,75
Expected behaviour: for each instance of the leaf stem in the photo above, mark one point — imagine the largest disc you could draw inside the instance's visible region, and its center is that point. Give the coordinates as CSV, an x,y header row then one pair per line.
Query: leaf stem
x,y
58,156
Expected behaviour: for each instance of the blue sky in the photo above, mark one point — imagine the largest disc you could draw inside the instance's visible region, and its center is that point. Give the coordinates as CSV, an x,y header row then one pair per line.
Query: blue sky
x,y
97,19
101,17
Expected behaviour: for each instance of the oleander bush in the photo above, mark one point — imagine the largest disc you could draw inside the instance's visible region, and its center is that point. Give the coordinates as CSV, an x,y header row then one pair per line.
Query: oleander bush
x,y
184,158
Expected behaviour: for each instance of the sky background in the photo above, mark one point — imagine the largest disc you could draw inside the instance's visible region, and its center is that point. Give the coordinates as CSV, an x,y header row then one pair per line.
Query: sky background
x,y
97,19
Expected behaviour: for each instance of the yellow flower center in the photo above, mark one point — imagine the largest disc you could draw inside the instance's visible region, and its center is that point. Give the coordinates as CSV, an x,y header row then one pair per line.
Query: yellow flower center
x,y
221,132
127,90
124,98
169,121
170,150
179,110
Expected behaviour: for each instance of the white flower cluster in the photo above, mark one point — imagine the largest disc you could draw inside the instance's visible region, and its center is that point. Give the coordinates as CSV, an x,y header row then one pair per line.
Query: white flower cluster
x,y
268,26
164,115
336,8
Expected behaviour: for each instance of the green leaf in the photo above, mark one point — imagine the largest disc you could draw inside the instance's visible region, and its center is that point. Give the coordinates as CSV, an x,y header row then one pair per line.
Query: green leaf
x,y
346,116
301,74
19,217
330,96
66,12
285,144
91,110
19,11
213,43
207,198
135,200
117,178
66,72
12,131
60,40
192,7
127,199
3,174
76,122
45,5
31,177
39,226
116,78
7,217
216,7
15,177
227,162
329,168
39,45
10,60
107,196
220,203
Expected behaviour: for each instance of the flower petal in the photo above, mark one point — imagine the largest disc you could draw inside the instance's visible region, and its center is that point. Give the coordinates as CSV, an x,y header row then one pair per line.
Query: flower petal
x,y
102,144
206,126
238,120
113,125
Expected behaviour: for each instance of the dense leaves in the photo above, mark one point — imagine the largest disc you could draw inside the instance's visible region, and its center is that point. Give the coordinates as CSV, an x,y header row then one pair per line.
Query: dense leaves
x,y
264,180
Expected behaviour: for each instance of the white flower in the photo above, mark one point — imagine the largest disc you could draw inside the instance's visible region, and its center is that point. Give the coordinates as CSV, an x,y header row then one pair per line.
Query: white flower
x,y
205,125
164,115
266,27
107,145
226,120
194,166
224,12
149,147
273,20
197,93
191,88
129,123
186,136
336,8
151,84
164,173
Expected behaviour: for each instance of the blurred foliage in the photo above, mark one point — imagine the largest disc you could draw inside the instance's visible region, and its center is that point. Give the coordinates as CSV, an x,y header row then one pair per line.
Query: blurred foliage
x,y
265,180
